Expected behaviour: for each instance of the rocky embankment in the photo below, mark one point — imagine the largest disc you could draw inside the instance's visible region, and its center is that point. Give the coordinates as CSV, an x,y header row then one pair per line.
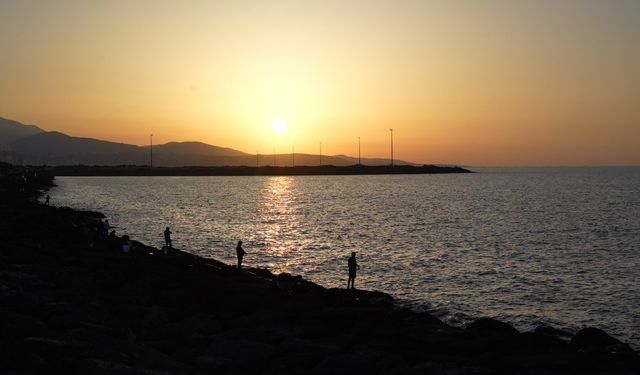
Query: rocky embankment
x,y
71,303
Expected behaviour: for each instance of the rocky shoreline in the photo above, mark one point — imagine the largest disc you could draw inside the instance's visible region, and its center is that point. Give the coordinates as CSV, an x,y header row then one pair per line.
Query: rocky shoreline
x,y
71,302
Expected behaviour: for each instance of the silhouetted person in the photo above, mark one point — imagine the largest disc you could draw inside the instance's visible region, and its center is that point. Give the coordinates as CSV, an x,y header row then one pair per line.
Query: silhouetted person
x,y
353,267
167,238
112,239
101,232
46,201
126,245
240,253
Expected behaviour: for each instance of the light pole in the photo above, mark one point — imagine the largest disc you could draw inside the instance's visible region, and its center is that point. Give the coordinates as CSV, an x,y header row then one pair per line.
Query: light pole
x,y
359,163
391,146
151,149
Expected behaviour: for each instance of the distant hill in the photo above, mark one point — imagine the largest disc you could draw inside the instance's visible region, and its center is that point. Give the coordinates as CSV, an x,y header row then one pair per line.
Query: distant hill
x,y
198,148
12,130
55,148
30,145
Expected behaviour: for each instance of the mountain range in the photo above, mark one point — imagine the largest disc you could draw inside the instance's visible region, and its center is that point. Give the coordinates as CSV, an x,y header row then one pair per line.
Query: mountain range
x,y
30,145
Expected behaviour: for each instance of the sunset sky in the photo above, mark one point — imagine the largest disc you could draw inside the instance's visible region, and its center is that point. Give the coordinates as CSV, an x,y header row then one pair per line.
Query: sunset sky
x,y
465,82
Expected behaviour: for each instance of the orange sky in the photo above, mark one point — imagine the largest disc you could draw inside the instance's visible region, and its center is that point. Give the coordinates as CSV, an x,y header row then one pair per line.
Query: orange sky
x,y
465,82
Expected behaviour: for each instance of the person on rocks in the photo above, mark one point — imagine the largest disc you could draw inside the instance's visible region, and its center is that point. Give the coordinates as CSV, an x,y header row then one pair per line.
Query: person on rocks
x,y
126,245
167,238
101,232
353,267
240,253
46,200
113,239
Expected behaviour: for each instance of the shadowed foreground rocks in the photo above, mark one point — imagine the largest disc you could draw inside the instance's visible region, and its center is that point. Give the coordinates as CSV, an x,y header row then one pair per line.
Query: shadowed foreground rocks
x,y
70,302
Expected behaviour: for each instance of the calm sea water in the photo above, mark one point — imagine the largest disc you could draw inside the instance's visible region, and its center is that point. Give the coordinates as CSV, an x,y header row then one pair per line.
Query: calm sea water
x,y
529,246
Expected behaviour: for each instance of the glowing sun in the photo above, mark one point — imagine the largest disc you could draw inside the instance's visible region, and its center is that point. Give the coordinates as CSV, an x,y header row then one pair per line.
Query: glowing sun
x,y
279,126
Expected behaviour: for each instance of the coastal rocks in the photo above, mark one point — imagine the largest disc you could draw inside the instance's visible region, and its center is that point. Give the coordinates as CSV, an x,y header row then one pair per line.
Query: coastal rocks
x,y
487,327
551,331
595,348
589,338
240,353
363,362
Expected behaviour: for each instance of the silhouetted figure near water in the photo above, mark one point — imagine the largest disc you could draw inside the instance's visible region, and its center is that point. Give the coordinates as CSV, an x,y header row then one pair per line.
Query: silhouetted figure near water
x,y
46,201
126,245
112,239
101,231
353,267
240,253
167,238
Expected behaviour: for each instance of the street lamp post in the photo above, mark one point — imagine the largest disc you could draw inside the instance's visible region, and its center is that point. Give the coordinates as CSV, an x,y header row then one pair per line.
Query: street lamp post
x,y
391,146
151,150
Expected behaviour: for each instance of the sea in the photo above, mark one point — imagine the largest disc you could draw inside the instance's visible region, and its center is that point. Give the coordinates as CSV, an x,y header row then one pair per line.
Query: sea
x,y
529,246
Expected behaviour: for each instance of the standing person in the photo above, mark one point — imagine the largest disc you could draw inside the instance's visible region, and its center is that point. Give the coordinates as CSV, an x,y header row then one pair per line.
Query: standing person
x,y
240,253
167,238
46,201
353,267
106,227
126,245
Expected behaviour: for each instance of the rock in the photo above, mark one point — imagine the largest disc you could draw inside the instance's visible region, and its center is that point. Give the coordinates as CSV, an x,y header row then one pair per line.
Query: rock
x,y
596,350
201,323
214,364
156,316
365,362
590,338
100,367
17,326
243,353
548,330
491,328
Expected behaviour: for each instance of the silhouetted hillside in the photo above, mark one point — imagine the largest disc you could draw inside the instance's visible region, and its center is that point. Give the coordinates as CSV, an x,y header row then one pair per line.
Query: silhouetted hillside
x,y
195,148
56,148
30,145
12,130
59,143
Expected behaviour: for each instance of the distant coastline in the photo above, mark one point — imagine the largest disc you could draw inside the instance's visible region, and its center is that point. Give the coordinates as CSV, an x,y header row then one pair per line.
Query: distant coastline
x,y
251,171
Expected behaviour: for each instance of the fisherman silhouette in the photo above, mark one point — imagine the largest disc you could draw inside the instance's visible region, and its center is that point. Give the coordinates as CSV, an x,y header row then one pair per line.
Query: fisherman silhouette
x,y
167,238
240,253
353,267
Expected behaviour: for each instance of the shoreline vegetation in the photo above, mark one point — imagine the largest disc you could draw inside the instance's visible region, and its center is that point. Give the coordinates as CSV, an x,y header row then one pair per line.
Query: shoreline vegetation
x,y
132,170
71,302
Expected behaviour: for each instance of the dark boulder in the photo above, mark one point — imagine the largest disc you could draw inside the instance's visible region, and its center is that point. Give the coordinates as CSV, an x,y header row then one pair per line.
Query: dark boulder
x,y
491,328
551,331
594,338
595,349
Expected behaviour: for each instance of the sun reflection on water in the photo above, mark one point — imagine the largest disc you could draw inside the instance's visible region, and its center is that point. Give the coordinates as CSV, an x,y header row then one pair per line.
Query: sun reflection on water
x,y
279,215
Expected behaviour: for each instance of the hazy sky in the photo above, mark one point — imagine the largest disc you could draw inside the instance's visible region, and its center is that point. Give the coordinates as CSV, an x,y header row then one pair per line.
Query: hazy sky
x,y
467,82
